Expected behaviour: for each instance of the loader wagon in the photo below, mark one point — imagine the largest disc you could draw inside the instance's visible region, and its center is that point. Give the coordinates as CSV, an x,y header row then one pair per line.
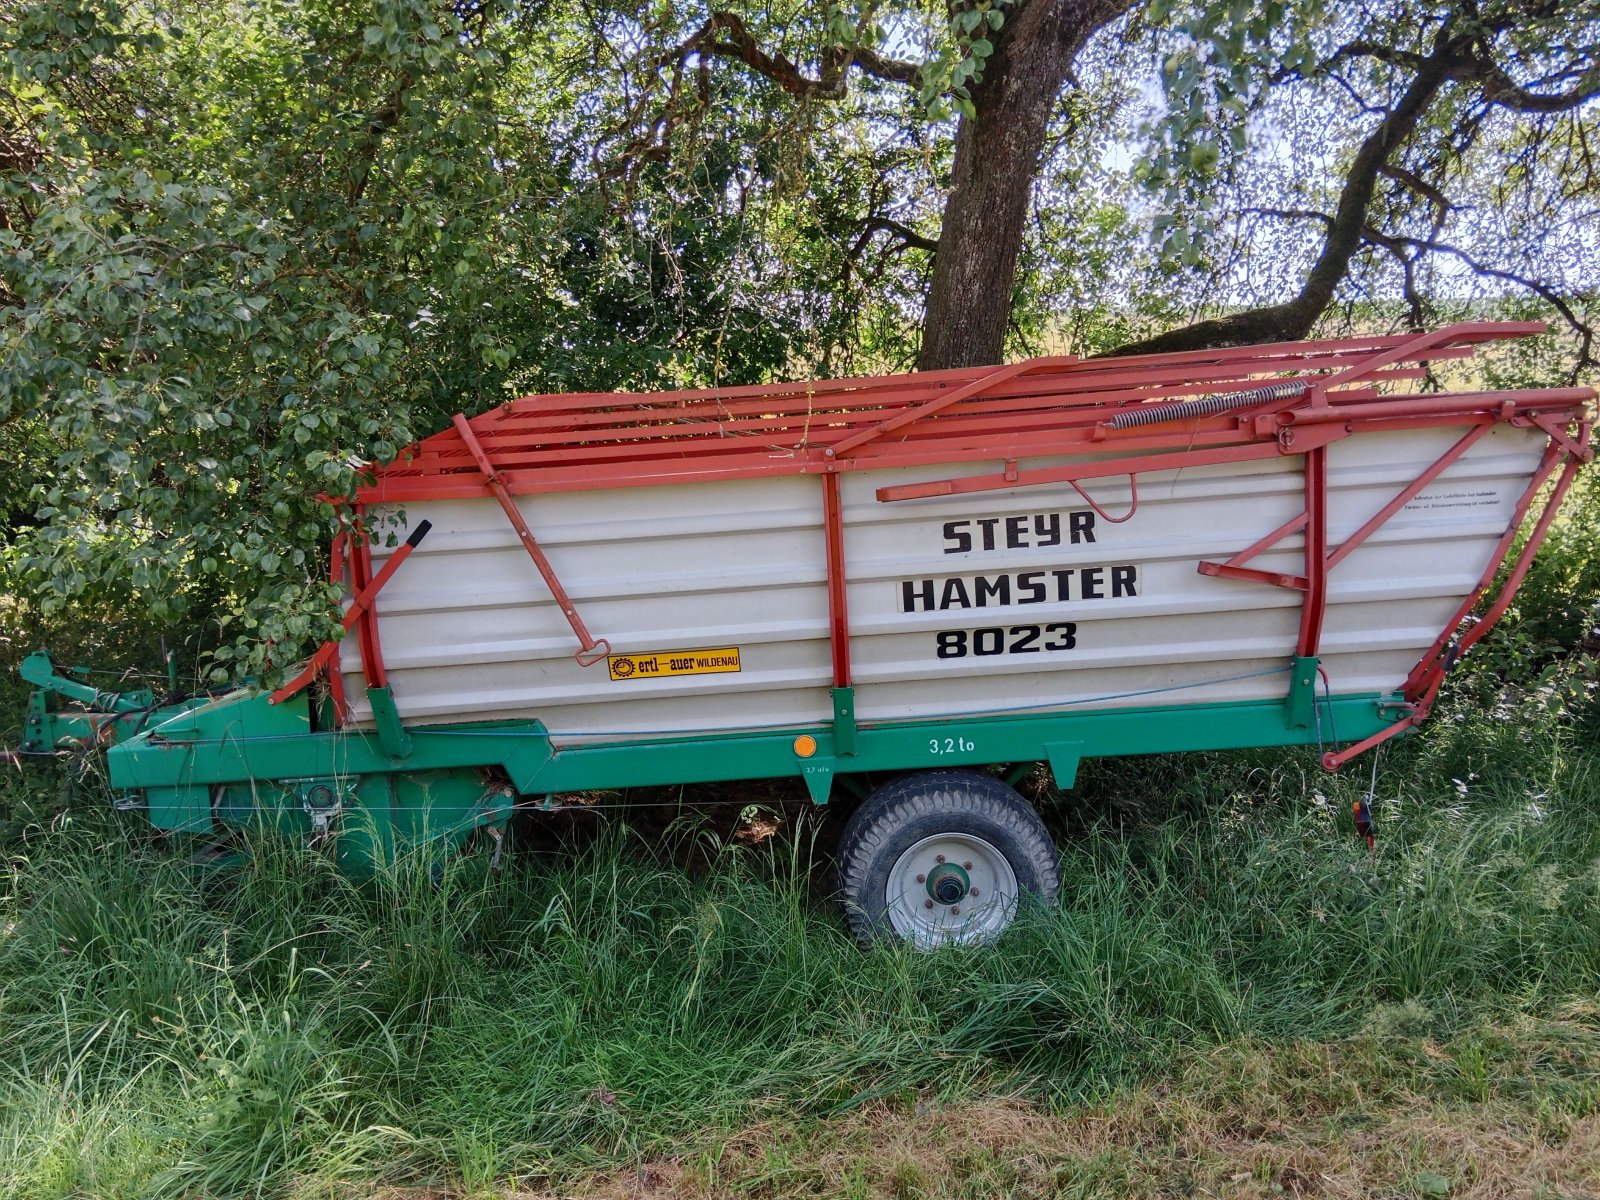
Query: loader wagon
x,y
912,578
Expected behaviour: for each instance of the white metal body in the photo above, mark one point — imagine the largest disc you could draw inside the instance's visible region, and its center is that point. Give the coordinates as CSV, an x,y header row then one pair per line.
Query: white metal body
x,y
470,633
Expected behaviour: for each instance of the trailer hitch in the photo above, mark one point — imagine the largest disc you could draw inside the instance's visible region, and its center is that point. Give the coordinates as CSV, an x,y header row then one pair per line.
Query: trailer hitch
x,y
104,716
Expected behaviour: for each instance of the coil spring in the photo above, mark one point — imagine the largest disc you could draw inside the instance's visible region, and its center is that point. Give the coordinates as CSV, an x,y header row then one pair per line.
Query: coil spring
x,y
1206,406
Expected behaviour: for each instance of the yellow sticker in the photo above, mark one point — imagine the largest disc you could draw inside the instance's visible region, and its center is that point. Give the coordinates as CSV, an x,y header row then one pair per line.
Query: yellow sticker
x,y
661,663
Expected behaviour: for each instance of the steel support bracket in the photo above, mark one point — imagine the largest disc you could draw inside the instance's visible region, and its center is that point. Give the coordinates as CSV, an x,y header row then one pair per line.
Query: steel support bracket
x,y
1299,706
1064,758
844,720
393,739
818,774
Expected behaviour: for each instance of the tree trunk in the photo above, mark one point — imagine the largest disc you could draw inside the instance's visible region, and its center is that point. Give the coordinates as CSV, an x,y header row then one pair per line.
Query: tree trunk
x,y
996,162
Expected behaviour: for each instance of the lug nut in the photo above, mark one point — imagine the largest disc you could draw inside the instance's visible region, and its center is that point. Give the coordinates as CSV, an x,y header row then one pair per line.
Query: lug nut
x,y
955,910
938,858
966,866
973,893
927,904
922,879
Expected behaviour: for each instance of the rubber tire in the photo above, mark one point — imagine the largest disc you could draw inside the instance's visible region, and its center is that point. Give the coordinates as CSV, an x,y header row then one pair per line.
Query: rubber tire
x,y
904,811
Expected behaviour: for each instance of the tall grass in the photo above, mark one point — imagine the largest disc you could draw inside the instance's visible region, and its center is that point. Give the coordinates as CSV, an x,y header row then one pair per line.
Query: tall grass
x,y
276,1031
165,1033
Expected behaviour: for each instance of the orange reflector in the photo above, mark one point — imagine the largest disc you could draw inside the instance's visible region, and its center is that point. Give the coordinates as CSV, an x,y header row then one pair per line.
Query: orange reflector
x,y
805,745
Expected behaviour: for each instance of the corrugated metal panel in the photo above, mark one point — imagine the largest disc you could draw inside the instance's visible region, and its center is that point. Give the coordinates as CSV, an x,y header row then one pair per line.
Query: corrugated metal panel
x,y
469,632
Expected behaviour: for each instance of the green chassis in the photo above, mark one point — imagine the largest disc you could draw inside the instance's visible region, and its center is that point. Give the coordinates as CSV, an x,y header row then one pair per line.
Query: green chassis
x,y
241,761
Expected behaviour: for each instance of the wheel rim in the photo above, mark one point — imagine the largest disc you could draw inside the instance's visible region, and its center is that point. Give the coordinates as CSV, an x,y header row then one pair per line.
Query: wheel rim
x,y
951,889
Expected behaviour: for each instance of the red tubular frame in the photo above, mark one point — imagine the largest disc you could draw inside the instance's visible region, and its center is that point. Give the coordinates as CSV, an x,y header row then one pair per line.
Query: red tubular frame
x,y
1430,669
341,704
1408,493
976,387
995,417
1234,567
372,668
1315,605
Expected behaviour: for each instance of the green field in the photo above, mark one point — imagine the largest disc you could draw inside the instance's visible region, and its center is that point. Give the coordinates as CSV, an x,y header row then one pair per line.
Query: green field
x,y
1232,996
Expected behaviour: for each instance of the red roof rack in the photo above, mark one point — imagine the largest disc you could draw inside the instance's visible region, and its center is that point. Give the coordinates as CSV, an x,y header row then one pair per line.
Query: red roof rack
x,y
1044,406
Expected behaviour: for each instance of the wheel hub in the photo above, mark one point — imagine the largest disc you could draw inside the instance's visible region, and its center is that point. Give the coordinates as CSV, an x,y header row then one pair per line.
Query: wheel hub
x,y
951,888
948,884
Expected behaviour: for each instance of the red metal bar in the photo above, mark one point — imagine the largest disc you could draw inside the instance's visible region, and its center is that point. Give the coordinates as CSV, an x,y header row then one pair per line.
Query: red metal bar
x,y
372,668
1431,664
359,612
664,413
838,602
1561,434
1143,464
1293,525
1334,759
1315,605
1276,578
1450,404
512,430
943,402
398,487
745,433
1407,494
1430,679
1412,346
1519,570
592,650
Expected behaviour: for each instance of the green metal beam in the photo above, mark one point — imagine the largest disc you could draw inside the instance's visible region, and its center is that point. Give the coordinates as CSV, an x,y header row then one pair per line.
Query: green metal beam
x,y
242,739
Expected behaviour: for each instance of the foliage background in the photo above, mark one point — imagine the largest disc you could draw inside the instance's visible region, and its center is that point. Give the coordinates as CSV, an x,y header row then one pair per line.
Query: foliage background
x,y
246,248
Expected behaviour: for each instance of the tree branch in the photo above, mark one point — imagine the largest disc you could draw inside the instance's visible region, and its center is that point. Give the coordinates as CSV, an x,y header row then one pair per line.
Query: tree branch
x,y
1288,214
1408,268
725,34
1500,89
1392,55
1585,331
1294,318
892,69
907,235
1419,185
378,124
1477,66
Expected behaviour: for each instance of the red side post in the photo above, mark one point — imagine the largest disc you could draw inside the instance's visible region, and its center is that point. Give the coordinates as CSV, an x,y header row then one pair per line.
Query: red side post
x,y
1315,606
366,627
838,604
361,616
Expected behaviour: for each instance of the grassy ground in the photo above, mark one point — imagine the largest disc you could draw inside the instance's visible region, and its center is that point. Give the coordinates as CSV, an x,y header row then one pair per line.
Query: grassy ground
x,y
1233,997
